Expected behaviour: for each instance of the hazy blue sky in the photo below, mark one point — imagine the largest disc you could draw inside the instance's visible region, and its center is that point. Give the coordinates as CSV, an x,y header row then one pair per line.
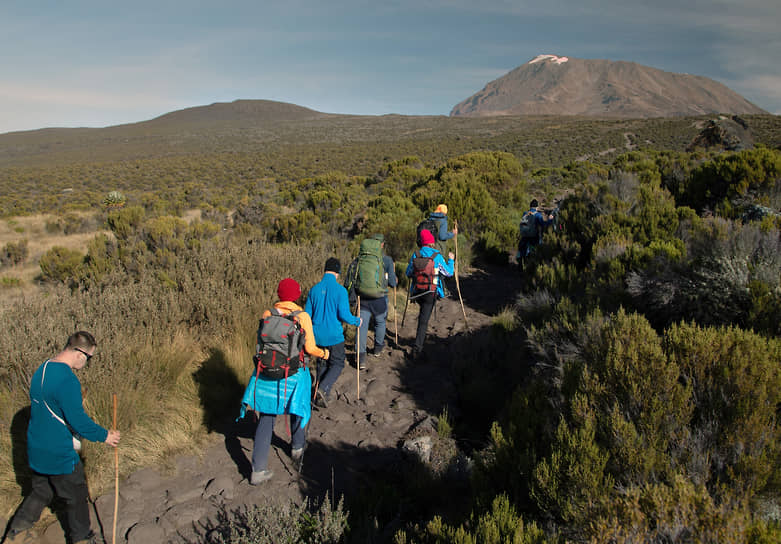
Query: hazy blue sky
x,y
93,63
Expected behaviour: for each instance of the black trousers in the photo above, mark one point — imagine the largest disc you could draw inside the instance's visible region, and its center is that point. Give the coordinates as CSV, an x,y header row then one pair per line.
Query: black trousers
x,y
72,488
426,303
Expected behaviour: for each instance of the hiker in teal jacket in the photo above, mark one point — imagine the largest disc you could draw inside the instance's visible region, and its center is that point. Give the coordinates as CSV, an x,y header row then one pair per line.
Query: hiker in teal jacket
x,y
329,307
427,299
57,418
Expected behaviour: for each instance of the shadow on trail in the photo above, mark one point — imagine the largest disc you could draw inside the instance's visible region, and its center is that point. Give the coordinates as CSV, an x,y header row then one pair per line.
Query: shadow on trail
x,y
220,390
489,288
383,489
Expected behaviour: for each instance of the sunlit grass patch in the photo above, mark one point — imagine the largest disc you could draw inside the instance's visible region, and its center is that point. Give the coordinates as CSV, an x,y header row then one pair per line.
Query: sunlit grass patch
x,y
507,319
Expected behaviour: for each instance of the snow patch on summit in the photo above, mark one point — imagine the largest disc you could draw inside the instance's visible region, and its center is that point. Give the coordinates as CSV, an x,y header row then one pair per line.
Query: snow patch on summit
x,y
553,58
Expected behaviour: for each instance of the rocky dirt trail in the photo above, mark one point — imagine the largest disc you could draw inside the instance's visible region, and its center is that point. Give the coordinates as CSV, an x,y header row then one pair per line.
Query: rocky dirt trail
x,y
346,441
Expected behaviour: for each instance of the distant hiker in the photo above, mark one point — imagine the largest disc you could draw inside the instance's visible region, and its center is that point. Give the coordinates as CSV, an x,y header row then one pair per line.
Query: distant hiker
x,y
281,383
530,230
425,268
329,307
369,276
57,423
436,224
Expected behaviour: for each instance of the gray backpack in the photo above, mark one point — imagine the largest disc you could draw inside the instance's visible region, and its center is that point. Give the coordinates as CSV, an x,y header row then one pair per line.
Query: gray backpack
x,y
280,347
528,226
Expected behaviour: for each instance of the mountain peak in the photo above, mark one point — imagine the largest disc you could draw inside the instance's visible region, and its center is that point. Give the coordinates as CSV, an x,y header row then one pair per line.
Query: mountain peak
x,y
555,85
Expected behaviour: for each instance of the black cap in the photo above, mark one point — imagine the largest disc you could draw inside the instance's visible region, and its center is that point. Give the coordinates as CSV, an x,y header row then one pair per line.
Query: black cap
x,y
333,265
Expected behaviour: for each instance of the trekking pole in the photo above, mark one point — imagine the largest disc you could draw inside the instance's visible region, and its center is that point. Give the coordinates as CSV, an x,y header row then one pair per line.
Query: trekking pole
x,y
358,354
395,313
455,273
116,475
403,315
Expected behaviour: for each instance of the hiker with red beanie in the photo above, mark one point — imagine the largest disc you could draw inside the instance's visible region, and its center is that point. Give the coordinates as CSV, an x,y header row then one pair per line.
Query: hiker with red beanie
x,y
270,397
425,268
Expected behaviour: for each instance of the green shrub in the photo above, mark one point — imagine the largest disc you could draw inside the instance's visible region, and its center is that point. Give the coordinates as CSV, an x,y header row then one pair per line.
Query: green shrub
x,y
60,264
271,523
8,281
735,383
124,222
733,175
165,233
498,525
627,433
14,253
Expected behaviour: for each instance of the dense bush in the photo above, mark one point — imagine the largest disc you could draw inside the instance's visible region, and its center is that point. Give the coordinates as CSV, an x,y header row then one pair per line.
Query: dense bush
x,y
292,523
500,524
14,253
60,264
733,176
653,437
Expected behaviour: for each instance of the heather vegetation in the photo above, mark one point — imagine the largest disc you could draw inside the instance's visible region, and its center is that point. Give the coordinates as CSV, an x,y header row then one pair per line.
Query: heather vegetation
x,y
634,383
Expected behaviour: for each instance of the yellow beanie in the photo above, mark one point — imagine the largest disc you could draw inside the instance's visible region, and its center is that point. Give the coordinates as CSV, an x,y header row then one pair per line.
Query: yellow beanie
x,y
442,208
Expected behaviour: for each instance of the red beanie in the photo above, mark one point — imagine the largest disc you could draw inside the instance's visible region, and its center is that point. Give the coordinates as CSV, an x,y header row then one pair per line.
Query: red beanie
x,y
288,290
426,237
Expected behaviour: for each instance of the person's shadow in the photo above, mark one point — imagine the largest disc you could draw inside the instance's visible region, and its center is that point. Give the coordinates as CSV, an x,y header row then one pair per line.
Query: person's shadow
x,y
217,381
19,453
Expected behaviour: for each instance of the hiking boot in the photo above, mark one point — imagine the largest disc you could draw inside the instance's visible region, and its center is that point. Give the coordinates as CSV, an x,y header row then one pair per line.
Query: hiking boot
x,y
261,476
377,352
297,455
25,536
321,400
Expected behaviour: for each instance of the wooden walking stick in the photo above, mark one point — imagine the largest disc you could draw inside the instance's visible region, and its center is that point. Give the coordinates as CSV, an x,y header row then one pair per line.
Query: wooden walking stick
x,y
358,354
455,273
395,312
116,475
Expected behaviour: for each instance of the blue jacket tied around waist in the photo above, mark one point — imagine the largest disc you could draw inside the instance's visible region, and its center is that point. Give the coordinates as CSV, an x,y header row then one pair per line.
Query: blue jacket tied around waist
x,y
278,397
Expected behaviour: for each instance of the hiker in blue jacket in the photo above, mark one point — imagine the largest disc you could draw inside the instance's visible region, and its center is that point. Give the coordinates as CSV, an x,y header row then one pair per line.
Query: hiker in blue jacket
x,y
531,234
442,235
426,290
57,422
329,307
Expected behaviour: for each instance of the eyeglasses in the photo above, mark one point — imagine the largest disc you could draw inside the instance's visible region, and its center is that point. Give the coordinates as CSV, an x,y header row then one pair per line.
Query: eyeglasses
x,y
87,355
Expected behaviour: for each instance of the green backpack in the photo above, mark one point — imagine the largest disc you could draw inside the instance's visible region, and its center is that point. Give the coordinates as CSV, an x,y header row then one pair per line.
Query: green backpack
x,y
371,281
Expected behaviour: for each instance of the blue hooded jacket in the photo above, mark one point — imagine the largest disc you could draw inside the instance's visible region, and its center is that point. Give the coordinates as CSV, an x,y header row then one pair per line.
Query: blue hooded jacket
x,y
329,307
445,268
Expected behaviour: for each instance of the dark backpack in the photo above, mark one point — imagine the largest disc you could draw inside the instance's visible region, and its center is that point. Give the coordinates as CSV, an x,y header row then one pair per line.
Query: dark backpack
x,y
370,278
430,225
424,273
528,226
280,348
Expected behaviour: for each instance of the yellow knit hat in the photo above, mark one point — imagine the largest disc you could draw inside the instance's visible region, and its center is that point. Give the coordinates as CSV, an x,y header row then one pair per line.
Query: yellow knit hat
x,y
442,208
